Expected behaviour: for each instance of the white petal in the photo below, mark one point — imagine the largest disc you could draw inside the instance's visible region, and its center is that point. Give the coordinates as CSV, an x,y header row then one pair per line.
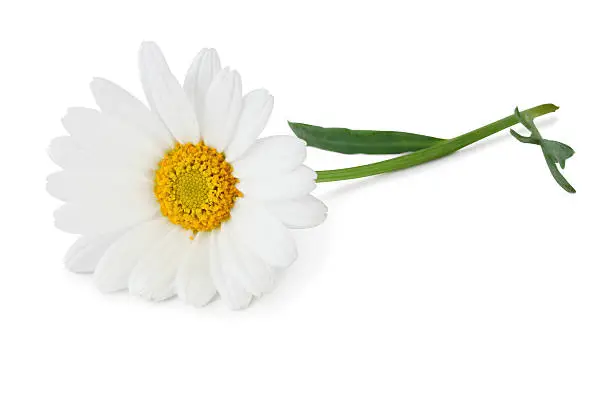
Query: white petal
x,y
221,109
70,153
90,218
61,149
121,257
286,186
200,74
111,141
263,233
258,277
300,213
202,71
78,122
165,94
73,185
117,102
227,272
100,162
94,130
271,156
85,253
154,274
256,109
194,284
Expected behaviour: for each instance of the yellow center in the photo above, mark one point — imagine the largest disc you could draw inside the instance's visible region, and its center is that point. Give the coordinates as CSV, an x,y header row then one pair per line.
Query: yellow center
x,y
195,187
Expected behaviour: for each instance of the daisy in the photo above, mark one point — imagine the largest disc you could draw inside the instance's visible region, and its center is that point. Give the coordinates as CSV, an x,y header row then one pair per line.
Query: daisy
x,y
181,198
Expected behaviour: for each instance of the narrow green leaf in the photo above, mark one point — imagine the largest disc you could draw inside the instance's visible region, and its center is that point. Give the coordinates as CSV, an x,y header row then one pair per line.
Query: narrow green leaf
x,y
558,176
431,153
559,152
524,139
554,152
527,121
372,142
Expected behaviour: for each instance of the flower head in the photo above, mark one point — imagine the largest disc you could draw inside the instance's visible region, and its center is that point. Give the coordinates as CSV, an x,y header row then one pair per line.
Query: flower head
x,y
181,197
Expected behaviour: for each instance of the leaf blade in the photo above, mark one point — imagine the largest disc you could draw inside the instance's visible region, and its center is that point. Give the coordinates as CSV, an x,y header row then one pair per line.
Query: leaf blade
x,y
558,176
371,142
554,152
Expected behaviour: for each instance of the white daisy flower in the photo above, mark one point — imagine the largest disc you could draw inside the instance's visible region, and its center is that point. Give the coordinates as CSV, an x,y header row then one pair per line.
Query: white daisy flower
x,y
183,198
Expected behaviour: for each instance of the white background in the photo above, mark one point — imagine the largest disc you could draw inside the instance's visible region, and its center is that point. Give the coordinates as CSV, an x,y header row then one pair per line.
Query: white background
x,y
471,286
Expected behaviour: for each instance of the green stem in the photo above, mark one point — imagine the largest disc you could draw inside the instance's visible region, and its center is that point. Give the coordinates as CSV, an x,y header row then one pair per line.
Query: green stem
x,y
433,152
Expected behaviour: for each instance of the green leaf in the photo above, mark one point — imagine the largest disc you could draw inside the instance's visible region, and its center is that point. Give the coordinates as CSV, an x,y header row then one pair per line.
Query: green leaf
x,y
559,152
527,121
557,175
524,139
554,152
373,142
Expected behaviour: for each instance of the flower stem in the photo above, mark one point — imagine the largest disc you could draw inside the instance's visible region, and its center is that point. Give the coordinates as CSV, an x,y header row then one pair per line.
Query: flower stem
x,y
434,152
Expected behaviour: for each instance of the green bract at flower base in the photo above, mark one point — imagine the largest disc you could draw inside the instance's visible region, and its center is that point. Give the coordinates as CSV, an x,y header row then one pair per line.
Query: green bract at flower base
x,y
424,148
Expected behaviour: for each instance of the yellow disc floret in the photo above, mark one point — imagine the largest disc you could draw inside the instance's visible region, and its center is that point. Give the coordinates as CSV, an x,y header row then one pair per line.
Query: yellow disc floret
x,y
195,187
